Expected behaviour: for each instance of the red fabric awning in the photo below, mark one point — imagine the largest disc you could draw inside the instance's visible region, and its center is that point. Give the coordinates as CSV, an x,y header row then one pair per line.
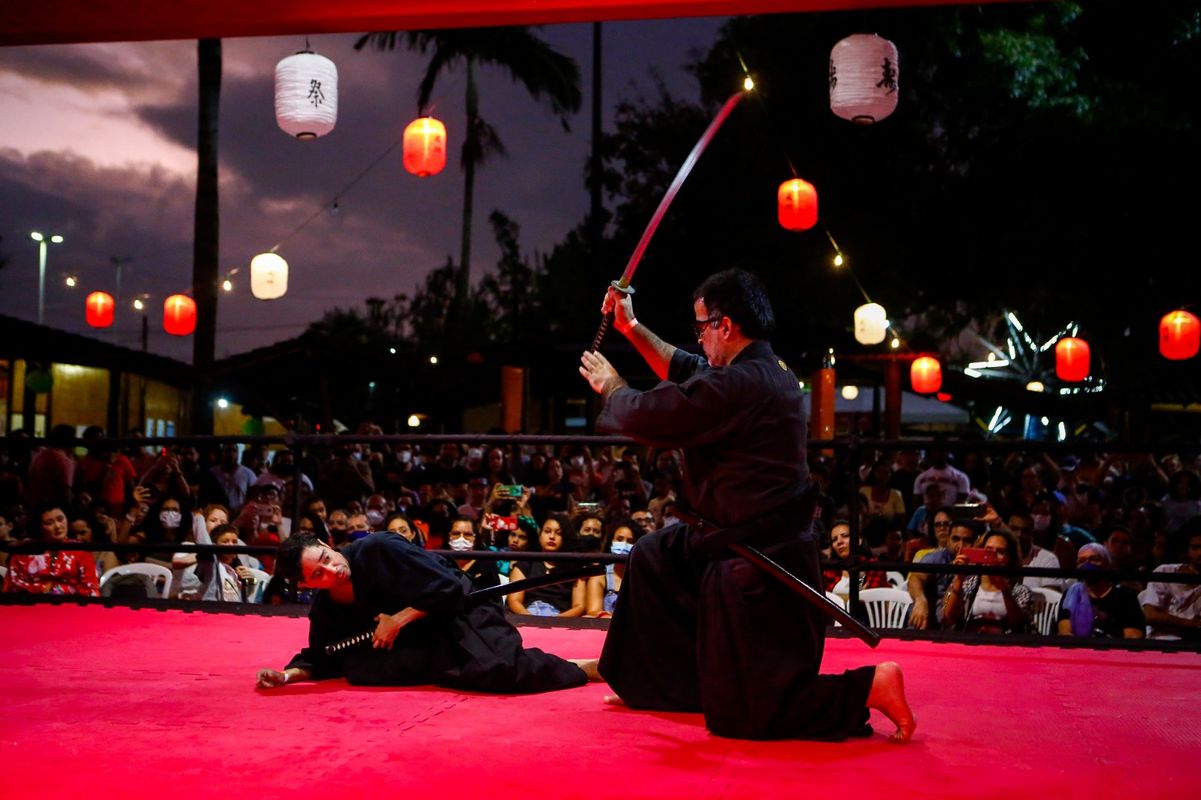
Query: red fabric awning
x,y
27,22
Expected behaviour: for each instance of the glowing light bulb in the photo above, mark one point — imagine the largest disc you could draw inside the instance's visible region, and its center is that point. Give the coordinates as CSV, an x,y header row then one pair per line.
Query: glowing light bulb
x,y
227,285
850,392
414,421
138,305
222,402
838,260
748,83
894,344
71,280
1035,386
433,359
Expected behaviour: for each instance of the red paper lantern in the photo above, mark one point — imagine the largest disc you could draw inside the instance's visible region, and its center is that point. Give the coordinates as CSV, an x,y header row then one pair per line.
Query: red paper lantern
x,y
179,315
425,147
100,307
926,375
1071,359
1179,335
796,205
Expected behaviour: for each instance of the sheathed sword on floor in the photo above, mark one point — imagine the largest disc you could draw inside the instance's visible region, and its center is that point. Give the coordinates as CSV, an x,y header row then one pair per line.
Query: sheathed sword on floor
x,y
482,595
785,576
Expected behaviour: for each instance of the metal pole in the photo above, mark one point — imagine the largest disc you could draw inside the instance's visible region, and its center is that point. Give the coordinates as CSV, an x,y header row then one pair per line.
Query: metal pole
x,y
41,280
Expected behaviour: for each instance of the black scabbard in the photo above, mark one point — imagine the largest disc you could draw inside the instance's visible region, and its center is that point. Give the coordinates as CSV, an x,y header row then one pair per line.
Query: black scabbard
x,y
481,595
782,574
808,593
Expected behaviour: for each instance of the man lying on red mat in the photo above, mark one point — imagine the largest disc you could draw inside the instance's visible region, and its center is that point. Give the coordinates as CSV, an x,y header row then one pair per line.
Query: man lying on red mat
x,y
425,629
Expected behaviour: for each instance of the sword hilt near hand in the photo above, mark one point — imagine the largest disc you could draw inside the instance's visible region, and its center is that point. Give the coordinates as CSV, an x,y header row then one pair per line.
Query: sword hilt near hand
x,y
607,320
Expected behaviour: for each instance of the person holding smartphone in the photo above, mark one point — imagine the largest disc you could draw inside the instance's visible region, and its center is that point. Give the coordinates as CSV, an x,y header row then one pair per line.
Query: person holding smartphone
x,y
987,603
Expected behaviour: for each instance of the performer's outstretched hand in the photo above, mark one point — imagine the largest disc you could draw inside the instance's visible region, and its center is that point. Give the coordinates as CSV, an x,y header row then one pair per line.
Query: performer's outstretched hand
x,y
270,679
597,370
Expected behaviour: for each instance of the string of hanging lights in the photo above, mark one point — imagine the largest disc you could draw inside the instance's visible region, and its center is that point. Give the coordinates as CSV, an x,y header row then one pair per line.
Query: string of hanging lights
x,y
864,77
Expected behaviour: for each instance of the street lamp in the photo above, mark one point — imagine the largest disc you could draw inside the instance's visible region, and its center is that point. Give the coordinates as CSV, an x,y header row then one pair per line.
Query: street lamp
x,y
41,240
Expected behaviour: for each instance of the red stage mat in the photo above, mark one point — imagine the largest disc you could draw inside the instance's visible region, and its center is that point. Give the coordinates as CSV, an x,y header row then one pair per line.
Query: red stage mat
x,y
111,702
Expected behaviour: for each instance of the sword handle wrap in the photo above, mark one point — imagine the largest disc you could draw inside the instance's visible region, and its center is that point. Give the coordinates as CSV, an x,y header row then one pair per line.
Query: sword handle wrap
x,y
624,288
600,332
350,641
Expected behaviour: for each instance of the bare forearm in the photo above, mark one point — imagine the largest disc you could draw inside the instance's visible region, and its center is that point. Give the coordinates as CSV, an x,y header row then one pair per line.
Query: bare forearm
x,y
407,615
656,352
1158,618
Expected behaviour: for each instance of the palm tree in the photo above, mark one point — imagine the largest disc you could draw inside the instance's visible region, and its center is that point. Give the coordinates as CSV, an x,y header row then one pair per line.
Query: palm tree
x,y
548,75
205,244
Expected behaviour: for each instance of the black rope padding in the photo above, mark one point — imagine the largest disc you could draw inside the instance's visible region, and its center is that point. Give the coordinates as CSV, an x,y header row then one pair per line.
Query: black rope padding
x,y
851,443
1141,576
299,610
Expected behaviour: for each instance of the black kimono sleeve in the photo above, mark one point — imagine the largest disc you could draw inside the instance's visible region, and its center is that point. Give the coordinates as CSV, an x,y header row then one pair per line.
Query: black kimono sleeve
x,y
696,411
393,574
327,624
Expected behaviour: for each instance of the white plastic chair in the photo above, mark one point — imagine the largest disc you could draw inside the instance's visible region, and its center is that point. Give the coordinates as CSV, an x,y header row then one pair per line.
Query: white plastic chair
x,y
896,580
152,571
838,601
1044,610
886,608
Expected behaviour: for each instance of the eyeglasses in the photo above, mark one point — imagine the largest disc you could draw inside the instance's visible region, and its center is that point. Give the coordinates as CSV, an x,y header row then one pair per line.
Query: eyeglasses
x,y
699,325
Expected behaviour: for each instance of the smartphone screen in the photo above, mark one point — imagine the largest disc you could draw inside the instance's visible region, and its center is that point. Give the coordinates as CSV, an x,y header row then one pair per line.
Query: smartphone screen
x,y
978,555
966,510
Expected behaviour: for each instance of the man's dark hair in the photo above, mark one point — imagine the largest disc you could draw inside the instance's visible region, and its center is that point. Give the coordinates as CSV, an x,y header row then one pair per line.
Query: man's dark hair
x,y
972,525
739,295
287,555
61,436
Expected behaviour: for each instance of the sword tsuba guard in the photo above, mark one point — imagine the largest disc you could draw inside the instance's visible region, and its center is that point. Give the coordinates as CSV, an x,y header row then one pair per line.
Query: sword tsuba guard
x,y
623,289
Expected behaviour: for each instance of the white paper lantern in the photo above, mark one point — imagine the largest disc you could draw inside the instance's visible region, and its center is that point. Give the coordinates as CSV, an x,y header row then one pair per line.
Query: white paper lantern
x,y
306,95
871,324
268,276
864,78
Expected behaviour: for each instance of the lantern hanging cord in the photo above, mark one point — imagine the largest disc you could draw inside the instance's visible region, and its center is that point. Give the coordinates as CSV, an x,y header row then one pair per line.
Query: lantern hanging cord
x,y
772,126
329,204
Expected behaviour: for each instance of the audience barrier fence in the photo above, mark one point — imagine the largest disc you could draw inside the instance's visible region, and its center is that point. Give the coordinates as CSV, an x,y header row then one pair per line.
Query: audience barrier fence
x,y
850,451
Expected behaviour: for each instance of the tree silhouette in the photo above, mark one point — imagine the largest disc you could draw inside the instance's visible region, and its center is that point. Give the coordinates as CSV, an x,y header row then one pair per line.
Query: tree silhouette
x,y
549,77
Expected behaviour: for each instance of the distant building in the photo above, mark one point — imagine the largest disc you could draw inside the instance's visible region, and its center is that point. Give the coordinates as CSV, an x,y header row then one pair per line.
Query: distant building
x,y
50,377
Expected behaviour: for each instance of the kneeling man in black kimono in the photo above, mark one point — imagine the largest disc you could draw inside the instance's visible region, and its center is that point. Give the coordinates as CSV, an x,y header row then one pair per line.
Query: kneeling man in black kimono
x,y
426,632
697,628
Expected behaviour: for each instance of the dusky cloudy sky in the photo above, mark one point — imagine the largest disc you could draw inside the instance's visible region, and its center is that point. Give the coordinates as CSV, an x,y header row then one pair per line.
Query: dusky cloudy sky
x,y
97,143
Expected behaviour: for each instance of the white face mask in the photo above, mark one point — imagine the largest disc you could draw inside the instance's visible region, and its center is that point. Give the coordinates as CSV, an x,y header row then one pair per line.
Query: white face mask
x,y
1041,522
621,548
460,544
170,519
374,518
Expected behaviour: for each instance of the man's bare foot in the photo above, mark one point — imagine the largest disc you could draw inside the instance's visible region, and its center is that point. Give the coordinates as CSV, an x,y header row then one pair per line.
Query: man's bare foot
x,y
614,700
589,667
888,697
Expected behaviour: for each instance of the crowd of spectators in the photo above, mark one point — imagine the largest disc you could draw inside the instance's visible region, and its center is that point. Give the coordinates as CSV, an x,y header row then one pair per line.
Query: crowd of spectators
x,y
1129,511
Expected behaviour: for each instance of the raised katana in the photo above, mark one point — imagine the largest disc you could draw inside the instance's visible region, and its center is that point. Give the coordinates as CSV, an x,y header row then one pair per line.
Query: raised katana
x,y
622,284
